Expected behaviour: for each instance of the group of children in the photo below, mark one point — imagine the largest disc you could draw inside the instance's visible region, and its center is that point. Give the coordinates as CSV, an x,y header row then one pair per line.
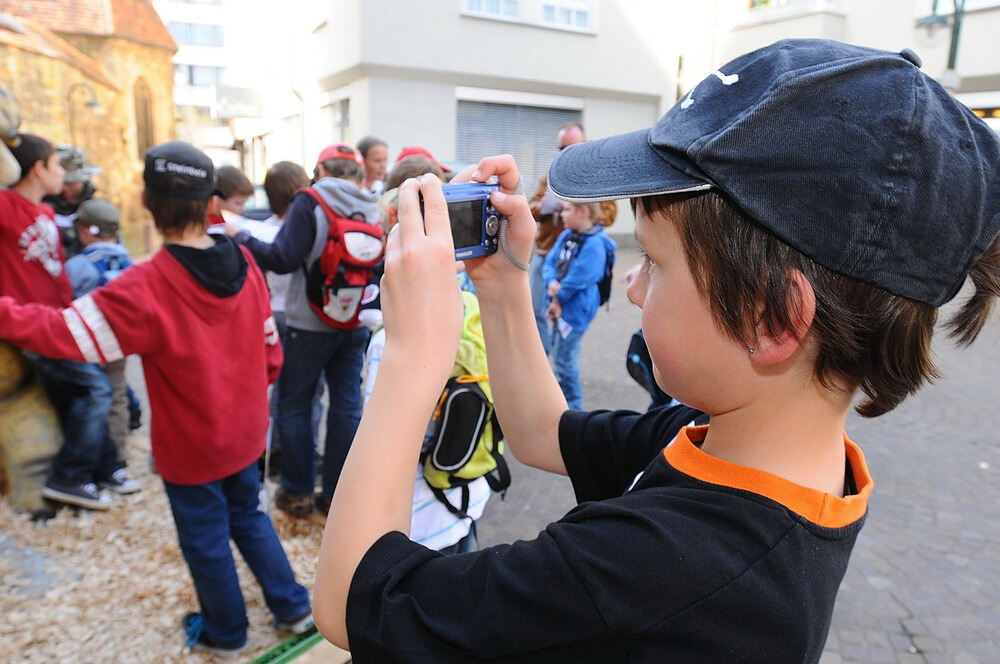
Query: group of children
x,y
782,273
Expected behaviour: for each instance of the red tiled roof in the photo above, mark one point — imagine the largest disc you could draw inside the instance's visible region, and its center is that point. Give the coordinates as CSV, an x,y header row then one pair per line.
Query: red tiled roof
x,y
38,39
130,19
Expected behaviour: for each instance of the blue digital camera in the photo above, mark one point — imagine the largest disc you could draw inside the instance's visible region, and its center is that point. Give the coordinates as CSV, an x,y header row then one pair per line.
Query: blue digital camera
x,y
475,223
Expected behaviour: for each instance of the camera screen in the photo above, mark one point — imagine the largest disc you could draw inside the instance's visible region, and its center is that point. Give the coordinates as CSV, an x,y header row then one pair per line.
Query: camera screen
x,y
466,223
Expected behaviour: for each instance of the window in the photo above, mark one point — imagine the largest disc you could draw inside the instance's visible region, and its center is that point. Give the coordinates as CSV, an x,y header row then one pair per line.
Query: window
x,y
143,117
569,15
196,34
527,132
199,75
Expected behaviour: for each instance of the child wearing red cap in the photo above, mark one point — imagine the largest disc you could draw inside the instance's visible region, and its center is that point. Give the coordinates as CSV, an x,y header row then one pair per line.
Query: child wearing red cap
x,y
313,348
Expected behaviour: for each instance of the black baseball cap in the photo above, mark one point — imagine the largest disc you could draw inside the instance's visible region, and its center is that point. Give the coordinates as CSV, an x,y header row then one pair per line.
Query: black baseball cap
x,y
179,170
851,155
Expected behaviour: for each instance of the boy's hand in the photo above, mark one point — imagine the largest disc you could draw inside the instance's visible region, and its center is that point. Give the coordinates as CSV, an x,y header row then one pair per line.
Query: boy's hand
x,y
421,303
491,273
554,311
231,229
554,287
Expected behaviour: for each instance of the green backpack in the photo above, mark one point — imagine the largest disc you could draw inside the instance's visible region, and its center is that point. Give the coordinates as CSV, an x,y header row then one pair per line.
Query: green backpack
x,y
464,441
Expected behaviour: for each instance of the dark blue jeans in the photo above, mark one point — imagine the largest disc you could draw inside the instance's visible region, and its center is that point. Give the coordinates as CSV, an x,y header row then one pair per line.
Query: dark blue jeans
x,y
317,406
207,516
81,393
337,355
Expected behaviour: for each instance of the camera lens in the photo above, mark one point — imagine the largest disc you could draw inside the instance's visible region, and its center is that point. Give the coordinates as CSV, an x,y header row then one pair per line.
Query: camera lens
x,y
492,224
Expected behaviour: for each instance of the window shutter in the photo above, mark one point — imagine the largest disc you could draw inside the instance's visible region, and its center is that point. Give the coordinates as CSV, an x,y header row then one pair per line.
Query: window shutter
x,y
527,132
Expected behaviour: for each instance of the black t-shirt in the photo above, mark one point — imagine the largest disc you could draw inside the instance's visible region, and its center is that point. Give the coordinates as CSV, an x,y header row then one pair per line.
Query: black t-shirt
x,y
686,565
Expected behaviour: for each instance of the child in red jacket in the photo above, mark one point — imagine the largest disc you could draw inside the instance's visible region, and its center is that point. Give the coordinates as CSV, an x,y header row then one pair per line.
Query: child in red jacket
x,y
32,270
199,315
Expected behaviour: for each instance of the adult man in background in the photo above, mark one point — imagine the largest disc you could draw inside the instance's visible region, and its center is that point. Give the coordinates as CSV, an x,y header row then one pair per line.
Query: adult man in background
x,y
546,209
77,188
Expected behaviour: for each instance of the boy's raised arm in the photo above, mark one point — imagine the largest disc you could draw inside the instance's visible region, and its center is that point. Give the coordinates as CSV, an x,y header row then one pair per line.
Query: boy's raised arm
x,y
527,397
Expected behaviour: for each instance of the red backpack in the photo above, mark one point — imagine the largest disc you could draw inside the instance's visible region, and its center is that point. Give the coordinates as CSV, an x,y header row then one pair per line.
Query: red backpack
x,y
336,281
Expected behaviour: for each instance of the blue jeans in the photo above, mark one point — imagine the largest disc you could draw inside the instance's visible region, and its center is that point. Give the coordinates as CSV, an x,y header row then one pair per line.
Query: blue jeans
x,y
207,516
317,406
566,353
81,393
540,301
339,355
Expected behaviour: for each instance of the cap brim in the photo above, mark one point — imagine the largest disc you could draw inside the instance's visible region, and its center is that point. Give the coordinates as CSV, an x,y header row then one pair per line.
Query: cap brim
x,y
622,166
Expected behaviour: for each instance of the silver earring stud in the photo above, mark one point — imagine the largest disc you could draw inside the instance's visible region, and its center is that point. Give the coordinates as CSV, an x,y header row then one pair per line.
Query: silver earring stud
x,y
751,350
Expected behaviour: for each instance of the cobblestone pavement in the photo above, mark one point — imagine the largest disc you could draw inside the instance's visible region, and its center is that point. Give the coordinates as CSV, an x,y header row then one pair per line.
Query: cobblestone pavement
x,y
924,580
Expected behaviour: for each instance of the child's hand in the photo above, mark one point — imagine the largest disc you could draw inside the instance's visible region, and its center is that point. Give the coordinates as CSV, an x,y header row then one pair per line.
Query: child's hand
x,y
554,287
421,303
554,311
232,230
493,272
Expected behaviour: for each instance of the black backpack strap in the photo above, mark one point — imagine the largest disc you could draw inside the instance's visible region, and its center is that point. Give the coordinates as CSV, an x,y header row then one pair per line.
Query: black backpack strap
x,y
462,512
498,479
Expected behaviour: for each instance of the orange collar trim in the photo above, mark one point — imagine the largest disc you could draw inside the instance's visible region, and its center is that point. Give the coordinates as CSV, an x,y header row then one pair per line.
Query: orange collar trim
x,y
821,508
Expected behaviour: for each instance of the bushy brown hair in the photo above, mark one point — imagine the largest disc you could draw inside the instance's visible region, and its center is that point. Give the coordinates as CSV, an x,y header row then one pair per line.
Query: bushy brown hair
x,y
411,167
280,184
866,338
231,181
30,150
174,215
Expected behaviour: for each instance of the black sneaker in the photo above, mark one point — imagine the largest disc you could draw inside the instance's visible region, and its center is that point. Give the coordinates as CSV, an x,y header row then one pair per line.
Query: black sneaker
x,y
82,495
299,625
121,483
194,637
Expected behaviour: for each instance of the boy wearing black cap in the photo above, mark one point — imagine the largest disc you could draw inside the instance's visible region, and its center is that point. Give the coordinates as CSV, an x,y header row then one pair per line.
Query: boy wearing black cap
x,y
198,314
798,240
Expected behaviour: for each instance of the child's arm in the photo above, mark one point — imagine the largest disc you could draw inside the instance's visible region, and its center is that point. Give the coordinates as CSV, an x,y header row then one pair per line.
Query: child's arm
x,y
292,243
584,271
422,336
527,397
103,326
551,259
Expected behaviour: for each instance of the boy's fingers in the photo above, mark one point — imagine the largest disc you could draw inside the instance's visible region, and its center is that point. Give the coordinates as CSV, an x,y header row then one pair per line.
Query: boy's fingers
x,y
411,222
465,175
504,168
436,222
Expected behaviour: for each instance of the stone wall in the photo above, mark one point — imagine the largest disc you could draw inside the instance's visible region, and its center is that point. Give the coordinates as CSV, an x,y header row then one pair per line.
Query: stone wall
x,y
56,102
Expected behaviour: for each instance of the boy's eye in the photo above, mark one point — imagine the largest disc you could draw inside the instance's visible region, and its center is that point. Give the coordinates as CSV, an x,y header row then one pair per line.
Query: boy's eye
x,y
647,262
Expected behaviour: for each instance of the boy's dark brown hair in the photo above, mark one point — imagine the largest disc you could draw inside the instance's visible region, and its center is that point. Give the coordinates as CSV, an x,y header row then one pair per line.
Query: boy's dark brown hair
x,y
346,169
30,150
230,181
866,337
411,167
280,184
174,215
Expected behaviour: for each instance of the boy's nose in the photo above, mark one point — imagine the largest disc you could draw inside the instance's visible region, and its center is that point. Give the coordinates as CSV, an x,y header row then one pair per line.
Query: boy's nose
x,y
636,291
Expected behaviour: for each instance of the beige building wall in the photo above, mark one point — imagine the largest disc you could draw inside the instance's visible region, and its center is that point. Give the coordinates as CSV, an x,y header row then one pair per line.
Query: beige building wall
x,y
404,67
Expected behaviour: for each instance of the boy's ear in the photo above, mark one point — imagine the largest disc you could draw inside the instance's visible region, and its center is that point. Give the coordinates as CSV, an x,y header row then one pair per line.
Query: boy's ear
x,y
142,195
775,349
